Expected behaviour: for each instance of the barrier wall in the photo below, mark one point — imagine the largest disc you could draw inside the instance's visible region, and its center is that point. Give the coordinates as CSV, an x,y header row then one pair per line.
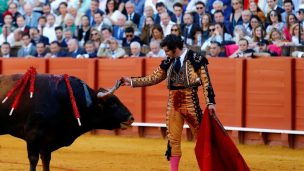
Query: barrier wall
x,y
257,93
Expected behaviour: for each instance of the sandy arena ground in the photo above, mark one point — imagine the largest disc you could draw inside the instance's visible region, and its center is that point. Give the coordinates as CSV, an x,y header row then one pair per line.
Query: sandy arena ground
x,y
115,153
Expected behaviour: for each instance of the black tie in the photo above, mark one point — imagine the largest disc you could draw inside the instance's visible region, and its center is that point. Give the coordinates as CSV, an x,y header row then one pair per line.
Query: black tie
x,y
186,33
177,64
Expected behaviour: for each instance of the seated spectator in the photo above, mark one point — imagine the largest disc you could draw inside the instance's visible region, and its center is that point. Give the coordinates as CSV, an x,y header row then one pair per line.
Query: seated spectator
x,y
95,37
59,36
175,29
146,31
256,11
148,12
90,50
6,50
246,16
217,33
206,22
73,48
84,31
13,9
236,15
136,50
130,37
119,28
290,20
112,11
68,35
106,35
277,41
113,51
37,37
27,49
31,17
6,36
131,15
41,24
294,30
100,22
166,23
17,41
49,29
62,12
215,50
69,23
239,33
258,34
40,50
243,51
94,4
75,13
254,22
7,22
188,29
156,51
157,33
21,24
55,51
198,37
275,21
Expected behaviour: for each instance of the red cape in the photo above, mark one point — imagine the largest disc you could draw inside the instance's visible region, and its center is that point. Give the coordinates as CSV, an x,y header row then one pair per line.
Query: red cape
x,y
214,149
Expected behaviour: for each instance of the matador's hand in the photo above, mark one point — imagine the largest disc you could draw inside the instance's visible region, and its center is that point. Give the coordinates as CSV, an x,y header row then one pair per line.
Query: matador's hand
x,y
125,81
211,108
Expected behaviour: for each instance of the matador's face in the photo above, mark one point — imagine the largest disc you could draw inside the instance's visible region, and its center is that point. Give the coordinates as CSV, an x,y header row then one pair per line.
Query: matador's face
x,y
170,53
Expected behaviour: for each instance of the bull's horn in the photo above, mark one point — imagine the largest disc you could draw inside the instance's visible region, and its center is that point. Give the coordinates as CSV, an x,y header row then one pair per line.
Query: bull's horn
x,y
110,91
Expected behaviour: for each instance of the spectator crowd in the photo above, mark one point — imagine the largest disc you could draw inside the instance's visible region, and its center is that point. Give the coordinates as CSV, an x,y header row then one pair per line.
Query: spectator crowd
x,y
135,28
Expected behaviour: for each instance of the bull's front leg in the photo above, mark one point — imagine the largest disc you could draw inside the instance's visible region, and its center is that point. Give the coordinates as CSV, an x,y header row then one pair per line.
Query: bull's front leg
x,y
46,158
33,155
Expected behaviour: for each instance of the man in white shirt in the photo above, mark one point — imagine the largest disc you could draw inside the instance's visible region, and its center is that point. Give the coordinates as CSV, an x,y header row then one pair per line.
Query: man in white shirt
x,y
156,51
166,23
49,29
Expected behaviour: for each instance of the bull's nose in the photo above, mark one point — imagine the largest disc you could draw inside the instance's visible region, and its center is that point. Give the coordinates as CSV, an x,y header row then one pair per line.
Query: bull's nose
x,y
131,119
128,123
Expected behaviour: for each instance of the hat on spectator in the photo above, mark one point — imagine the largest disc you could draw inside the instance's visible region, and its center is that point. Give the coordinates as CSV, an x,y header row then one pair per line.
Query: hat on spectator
x,y
263,42
7,13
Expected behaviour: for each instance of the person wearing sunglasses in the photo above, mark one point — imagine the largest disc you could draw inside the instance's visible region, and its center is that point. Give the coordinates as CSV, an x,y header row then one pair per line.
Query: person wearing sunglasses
x,y
175,29
130,37
200,11
186,72
275,21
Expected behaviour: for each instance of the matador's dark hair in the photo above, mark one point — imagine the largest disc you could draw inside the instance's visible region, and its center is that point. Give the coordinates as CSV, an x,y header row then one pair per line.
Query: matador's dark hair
x,y
172,42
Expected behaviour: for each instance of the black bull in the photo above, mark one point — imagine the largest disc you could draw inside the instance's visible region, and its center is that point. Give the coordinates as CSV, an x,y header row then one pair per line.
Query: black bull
x,y
46,122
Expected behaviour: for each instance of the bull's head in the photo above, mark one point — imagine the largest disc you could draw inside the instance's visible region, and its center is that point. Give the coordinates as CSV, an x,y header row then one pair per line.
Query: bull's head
x,y
118,116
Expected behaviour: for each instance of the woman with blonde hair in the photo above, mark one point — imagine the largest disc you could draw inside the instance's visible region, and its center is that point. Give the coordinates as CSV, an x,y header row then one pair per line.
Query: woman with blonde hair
x,y
294,31
175,29
236,15
95,36
277,40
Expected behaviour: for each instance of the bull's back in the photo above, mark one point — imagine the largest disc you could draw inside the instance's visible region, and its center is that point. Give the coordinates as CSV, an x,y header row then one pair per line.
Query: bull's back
x,y
27,109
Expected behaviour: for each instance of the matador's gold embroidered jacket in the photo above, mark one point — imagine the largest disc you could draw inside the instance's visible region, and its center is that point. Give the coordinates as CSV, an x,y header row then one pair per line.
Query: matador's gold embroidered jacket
x,y
193,74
